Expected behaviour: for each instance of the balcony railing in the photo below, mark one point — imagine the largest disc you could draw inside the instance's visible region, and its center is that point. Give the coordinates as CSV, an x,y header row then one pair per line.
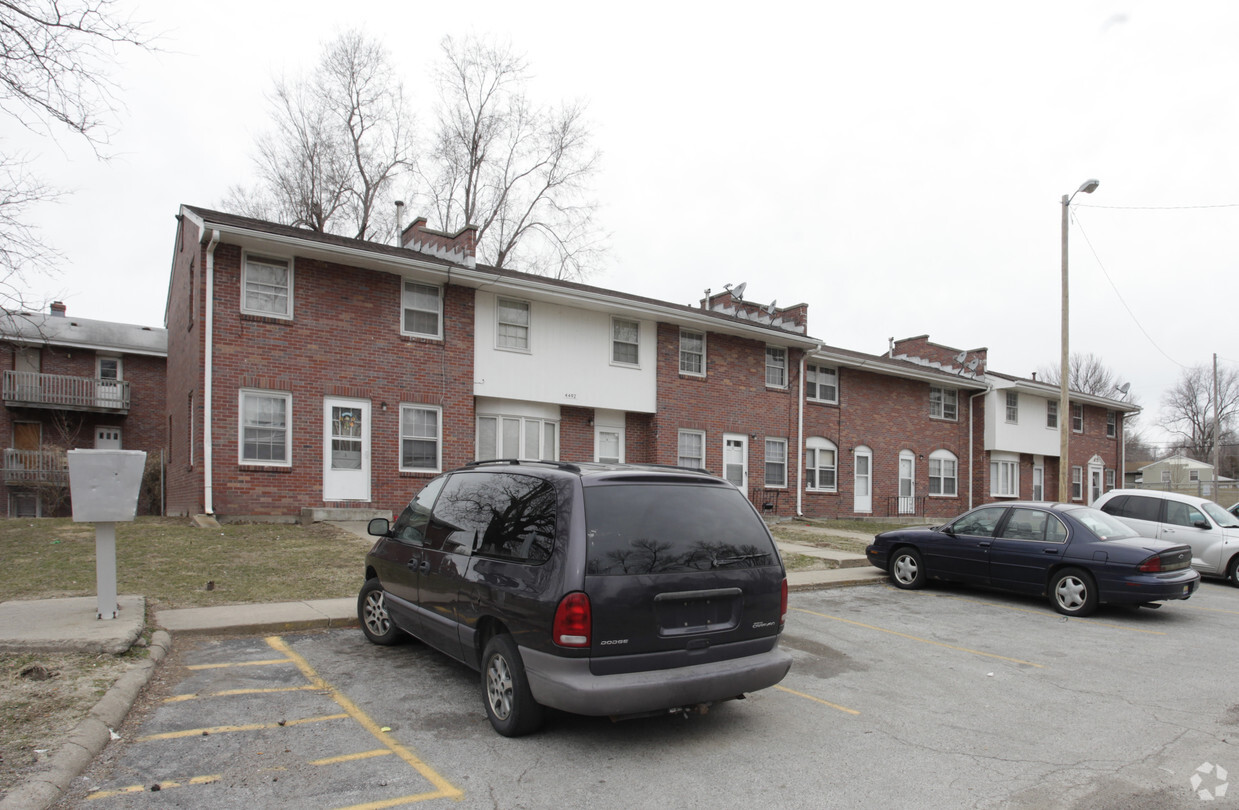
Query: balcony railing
x,y
31,467
31,389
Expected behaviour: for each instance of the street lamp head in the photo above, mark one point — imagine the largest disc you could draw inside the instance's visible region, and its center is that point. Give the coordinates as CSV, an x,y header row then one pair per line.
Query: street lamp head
x,y
1089,186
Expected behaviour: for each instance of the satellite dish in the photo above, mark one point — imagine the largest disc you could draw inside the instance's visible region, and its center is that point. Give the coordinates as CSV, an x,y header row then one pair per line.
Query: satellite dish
x,y
961,357
738,291
1124,388
973,363
770,309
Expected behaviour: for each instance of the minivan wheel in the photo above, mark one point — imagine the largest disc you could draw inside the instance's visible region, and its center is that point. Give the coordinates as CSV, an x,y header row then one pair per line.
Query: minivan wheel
x,y
509,703
1072,592
907,570
376,624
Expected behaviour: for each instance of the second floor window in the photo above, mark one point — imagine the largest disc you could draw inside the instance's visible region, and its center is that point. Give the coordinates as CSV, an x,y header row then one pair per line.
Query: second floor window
x,y
625,341
1077,418
822,384
267,287
943,403
776,367
1013,407
423,310
1051,414
692,353
1112,422
512,328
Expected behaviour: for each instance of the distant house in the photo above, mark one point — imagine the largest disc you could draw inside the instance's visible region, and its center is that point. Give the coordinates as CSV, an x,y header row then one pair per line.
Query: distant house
x,y
73,383
1176,470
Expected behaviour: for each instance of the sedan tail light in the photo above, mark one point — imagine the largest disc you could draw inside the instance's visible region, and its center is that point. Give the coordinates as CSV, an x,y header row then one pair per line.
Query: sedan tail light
x,y
1153,565
573,621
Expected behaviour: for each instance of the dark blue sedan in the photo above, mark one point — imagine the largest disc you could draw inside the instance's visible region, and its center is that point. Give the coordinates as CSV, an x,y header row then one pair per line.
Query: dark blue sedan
x,y
1075,555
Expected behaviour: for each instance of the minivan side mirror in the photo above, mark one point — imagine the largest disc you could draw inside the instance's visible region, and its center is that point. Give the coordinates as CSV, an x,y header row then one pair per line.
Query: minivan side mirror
x,y
378,527
1202,524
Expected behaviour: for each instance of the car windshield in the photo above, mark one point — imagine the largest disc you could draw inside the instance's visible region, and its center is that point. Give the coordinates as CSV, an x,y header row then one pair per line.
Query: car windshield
x,y
1220,516
1101,524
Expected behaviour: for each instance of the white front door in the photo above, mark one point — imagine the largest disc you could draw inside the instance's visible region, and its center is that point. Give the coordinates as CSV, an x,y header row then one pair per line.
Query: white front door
x,y
346,449
907,484
862,492
1038,492
736,459
1096,467
609,445
107,438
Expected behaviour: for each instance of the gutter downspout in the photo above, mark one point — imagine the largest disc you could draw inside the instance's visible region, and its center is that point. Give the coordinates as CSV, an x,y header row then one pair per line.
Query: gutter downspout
x,y
208,454
971,441
800,443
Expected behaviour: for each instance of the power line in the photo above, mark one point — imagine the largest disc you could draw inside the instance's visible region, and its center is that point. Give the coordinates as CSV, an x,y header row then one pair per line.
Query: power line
x,y
1158,207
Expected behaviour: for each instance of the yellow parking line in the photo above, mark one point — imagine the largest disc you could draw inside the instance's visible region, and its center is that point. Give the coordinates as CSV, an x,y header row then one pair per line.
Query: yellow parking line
x,y
416,797
198,732
228,664
816,700
444,789
231,692
1212,610
917,638
378,752
197,780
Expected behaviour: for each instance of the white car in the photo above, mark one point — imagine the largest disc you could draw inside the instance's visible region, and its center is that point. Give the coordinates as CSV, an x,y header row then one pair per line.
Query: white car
x,y
1211,531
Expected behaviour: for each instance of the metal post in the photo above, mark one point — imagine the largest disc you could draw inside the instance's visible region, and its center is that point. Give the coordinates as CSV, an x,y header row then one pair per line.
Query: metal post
x,y
105,569
1064,429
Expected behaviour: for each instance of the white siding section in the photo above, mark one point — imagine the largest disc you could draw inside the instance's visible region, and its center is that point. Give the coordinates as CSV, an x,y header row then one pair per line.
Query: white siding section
x,y
1029,435
568,362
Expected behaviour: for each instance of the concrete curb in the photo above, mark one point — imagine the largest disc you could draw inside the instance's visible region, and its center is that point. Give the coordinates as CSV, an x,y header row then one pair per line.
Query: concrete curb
x,y
43,789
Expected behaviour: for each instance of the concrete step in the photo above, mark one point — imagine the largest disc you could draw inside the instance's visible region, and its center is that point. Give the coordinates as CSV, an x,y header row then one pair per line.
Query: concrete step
x,y
839,559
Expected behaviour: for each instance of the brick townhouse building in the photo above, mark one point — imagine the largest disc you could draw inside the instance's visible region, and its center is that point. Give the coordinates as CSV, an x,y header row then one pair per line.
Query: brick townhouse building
x,y
311,375
76,383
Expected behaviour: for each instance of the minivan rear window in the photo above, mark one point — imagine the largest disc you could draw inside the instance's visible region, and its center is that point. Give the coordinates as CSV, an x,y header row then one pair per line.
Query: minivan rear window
x,y
660,528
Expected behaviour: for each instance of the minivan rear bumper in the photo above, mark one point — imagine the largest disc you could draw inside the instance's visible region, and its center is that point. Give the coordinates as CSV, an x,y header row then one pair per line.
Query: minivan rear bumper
x,y
568,685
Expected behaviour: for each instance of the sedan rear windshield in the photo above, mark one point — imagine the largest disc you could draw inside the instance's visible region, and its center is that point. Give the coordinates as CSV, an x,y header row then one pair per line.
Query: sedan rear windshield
x,y
669,528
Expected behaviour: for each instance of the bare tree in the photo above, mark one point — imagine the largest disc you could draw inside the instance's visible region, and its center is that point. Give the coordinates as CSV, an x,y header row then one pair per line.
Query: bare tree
x,y
520,172
1187,410
51,55
341,137
1087,373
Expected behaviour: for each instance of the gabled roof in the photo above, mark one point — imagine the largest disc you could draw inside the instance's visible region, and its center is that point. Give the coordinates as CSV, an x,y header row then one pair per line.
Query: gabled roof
x,y
253,233
893,367
1051,391
41,329
1179,459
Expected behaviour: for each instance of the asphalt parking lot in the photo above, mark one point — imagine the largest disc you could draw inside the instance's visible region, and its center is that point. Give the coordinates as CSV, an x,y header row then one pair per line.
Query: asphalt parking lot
x,y
947,697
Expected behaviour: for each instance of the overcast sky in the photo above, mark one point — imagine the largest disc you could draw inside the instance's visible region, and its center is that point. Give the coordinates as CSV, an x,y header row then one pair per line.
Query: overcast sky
x,y
896,165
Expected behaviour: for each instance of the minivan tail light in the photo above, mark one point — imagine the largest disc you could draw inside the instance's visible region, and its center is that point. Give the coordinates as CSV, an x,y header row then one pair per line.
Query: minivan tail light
x,y
573,621
783,604
1152,565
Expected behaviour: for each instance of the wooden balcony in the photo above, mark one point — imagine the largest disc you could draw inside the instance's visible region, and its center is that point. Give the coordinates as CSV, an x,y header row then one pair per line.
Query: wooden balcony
x,y
31,467
28,389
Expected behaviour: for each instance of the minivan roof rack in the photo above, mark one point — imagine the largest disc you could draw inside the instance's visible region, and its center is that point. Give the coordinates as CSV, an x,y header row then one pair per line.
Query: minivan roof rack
x,y
516,462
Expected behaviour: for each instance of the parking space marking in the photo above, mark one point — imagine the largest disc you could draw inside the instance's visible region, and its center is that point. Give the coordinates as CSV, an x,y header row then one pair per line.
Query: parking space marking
x,y
443,788
817,700
268,662
198,732
232,692
197,780
378,752
1212,610
917,638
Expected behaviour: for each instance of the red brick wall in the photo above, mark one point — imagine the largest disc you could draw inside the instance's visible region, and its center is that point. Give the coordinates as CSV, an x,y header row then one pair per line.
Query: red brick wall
x,y
186,313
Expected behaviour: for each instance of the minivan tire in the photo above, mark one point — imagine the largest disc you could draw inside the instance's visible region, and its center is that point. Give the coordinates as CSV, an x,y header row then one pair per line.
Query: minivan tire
x,y
372,613
505,689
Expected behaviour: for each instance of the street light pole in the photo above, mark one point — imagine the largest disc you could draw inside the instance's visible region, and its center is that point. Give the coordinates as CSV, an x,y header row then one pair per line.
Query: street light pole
x,y
1064,402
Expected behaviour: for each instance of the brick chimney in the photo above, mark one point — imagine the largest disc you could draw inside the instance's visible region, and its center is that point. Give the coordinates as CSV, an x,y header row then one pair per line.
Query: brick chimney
x,y
921,350
58,309
793,318
457,247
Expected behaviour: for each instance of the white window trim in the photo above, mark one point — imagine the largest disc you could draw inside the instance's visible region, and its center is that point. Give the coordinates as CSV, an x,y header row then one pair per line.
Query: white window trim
x,y
766,462
245,263
817,369
120,365
995,478
942,456
701,373
1072,408
1077,482
768,366
1013,420
1112,424
288,428
614,340
700,434
404,307
1051,409
528,347
942,416
524,421
817,444
400,437
1108,481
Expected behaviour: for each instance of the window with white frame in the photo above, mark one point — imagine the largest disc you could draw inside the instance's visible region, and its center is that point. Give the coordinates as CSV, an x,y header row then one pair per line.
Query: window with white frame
x,y
692,353
625,341
943,403
1109,480
1077,418
512,324
421,445
822,384
1165,476
1051,414
1112,424
776,462
776,367
1077,483
1004,478
943,473
821,466
423,310
692,449
265,427
520,437
1193,475
1013,407
267,286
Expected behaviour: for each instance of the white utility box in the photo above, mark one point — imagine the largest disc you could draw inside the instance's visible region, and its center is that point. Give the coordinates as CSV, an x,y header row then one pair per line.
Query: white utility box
x,y
104,485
